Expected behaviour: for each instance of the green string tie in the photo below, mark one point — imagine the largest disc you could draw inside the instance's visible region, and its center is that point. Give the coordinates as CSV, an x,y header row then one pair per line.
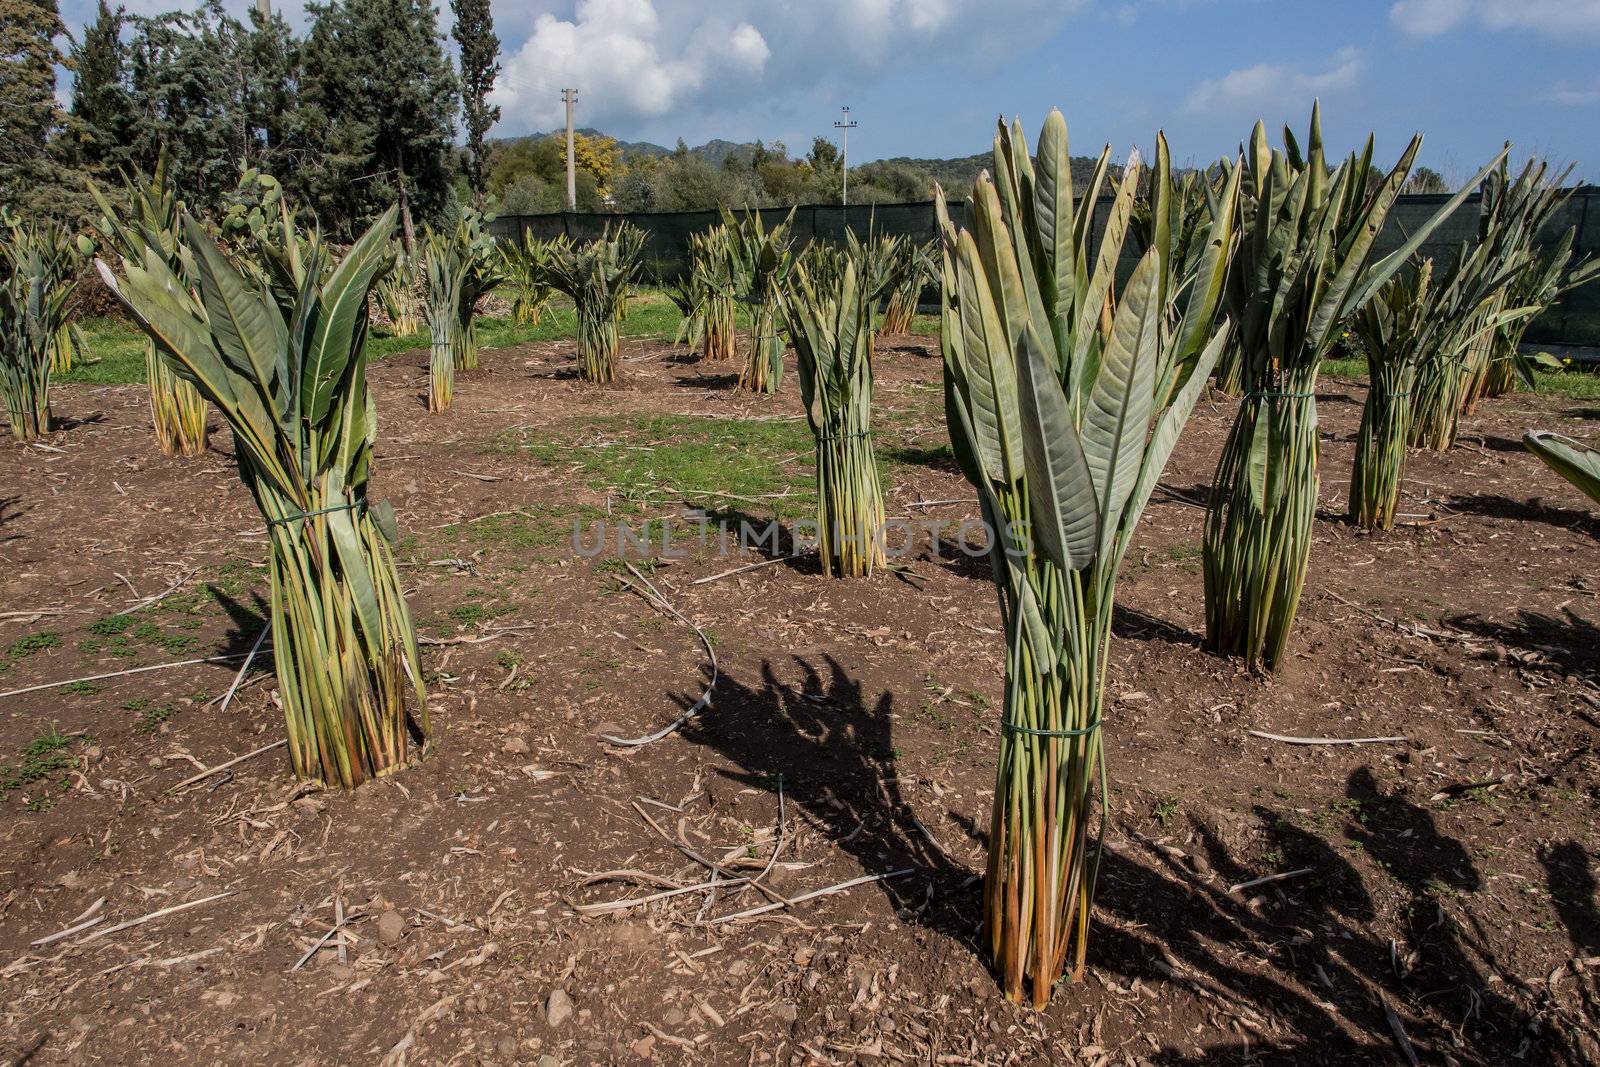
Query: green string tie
x,y
1029,731
348,505
1290,396
844,436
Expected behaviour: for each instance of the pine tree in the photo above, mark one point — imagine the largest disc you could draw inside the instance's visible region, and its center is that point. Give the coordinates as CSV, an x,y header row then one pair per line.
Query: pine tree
x,y
480,65
379,90
29,114
100,104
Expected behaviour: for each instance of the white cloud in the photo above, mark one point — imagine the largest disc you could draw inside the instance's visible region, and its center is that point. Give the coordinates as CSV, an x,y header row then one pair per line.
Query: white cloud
x,y
1554,18
636,60
1268,84
1575,96
622,61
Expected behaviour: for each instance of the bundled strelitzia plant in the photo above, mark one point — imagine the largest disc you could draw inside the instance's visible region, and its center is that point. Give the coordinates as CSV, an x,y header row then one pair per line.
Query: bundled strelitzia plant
x,y
1064,400
831,326
1304,264
759,262
525,264
596,276
38,268
395,295
914,271
291,383
149,220
1515,211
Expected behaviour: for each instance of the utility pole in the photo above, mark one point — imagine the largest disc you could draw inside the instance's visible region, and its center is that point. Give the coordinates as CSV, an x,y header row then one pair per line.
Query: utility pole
x,y
265,7
844,153
571,96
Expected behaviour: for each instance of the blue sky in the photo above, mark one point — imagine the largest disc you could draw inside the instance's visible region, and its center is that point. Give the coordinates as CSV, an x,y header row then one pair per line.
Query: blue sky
x,y
927,77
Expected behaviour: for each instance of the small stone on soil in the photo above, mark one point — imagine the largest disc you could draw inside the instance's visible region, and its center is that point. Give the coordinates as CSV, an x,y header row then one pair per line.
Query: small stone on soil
x,y
558,1008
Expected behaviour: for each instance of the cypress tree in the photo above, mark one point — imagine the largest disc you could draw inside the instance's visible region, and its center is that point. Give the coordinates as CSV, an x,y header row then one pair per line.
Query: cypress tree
x,y
480,65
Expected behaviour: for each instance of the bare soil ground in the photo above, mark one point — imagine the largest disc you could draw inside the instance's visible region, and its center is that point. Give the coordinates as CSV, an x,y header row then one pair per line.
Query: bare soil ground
x,y
1444,885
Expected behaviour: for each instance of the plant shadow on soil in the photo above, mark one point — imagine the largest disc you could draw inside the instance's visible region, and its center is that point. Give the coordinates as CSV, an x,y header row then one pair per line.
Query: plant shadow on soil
x,y
1571,642
1503,507
834,753
1570,878
1313,928
835,756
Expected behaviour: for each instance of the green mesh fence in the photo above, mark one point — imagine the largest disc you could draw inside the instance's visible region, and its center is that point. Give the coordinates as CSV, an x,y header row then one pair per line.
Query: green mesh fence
x,y
1574,321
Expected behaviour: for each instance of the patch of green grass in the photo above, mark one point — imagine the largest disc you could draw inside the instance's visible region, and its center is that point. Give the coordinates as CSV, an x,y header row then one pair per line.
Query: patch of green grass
x,y
115,354
85,689
151,715
111,625
42,641
1576,384
41,758
643,457
1166,809
650,315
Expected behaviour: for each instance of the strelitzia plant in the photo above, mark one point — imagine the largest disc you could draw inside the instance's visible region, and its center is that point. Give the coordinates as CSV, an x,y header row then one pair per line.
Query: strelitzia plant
x,y
1514,212
395,295
291,383
759,261
596,276
482,273
914,271
832,330
38,268
1418,331
525,264
444,275
1305,263
1064,403
149,219
1573,460
705,296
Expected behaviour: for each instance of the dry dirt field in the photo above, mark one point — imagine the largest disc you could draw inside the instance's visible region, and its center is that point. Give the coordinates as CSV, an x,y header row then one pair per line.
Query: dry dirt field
x,y
1443,884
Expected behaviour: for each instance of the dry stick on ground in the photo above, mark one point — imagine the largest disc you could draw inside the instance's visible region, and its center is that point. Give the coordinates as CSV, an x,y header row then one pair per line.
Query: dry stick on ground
x,y
1242,886
1328,740
141,920
748,567
655,598
829,891
712,865
482,639
219,768
121,674
244,668
148,601
80,924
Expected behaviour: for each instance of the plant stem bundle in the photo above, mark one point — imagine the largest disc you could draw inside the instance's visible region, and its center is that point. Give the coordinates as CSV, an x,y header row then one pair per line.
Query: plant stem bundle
x,y
596,276
149,223
290,379
37,267
1302,267
832,331
759,261
1064,404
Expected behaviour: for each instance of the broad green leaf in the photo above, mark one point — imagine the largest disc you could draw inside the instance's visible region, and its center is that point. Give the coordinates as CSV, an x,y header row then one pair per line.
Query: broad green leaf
x,y
1061,490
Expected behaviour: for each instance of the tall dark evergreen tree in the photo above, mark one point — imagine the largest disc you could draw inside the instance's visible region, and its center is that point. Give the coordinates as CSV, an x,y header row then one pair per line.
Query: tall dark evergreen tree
x,y
480,65
101,108
379,90
187,84
29,114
